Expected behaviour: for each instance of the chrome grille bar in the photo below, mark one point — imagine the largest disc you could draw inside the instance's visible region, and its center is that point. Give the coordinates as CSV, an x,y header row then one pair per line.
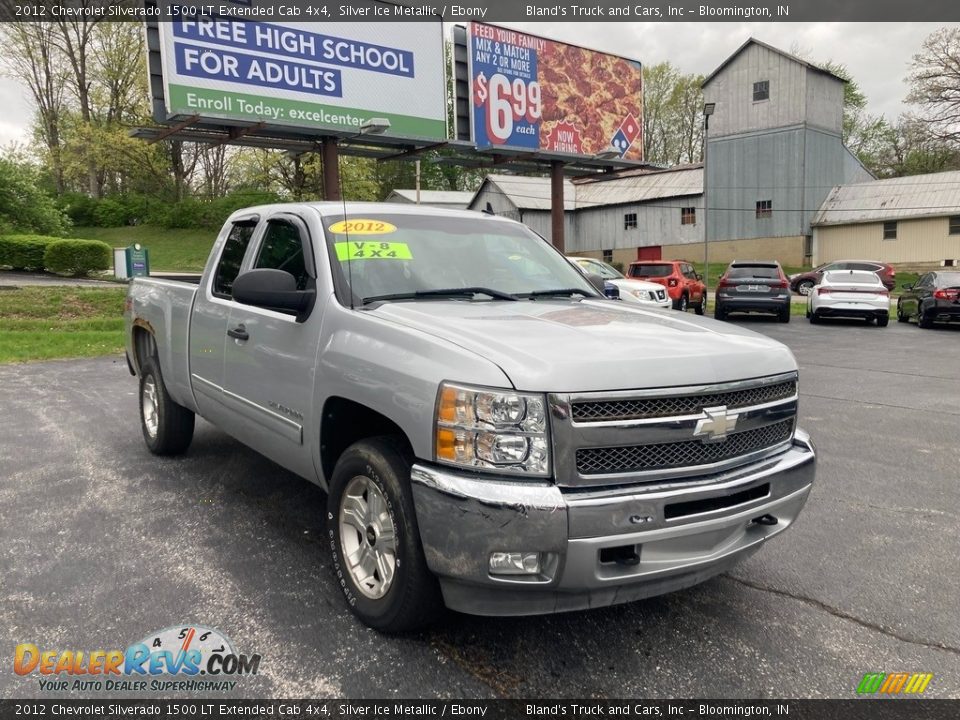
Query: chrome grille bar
x,y
643,408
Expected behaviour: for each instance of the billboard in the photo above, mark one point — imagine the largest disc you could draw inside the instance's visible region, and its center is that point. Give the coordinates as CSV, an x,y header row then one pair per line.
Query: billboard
x,y
535,94
308,75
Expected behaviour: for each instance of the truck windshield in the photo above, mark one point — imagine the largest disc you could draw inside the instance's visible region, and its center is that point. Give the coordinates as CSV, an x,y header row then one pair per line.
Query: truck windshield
x,y
386,256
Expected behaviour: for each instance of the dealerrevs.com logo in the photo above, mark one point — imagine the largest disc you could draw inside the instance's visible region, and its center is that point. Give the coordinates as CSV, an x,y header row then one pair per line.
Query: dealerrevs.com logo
x,y
185,658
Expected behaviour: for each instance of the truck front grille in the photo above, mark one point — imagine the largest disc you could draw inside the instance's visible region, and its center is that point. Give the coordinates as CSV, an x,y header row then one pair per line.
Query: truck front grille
x,y
645,408
689,453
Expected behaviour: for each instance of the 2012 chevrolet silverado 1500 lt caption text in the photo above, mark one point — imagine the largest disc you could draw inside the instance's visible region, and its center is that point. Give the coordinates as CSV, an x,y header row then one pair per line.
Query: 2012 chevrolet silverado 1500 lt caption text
x,y
492,433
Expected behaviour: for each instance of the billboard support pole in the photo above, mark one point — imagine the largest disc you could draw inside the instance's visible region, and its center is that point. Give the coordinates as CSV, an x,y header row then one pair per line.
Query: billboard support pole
x,y
556,205
331,169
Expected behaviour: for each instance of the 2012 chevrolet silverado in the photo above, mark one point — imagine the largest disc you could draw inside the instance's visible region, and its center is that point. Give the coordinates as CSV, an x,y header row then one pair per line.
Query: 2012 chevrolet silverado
x,y
492,433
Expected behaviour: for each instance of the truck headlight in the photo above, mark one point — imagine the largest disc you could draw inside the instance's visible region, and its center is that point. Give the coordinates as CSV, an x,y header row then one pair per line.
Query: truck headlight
x,y
492,429
641,294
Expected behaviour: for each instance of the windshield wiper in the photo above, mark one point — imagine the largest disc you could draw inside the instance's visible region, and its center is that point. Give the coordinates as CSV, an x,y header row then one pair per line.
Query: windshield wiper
x,y
558,292
441,293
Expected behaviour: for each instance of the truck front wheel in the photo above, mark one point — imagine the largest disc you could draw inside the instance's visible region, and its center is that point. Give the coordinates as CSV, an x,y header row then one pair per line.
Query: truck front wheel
x,y
374,538
167,427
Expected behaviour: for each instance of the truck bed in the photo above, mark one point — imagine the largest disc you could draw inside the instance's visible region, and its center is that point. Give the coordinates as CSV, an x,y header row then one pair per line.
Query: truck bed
x,y
163,308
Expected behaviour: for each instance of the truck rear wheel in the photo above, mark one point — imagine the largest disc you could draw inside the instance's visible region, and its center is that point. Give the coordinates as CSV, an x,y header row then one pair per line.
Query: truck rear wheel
x,y
375,541
167,427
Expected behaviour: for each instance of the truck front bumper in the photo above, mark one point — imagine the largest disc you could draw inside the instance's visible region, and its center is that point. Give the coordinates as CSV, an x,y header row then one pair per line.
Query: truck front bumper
x,y
600,548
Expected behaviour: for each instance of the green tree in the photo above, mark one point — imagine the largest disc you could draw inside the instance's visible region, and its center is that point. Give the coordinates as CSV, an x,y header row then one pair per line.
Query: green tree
x,y
24,207
672,115
935,84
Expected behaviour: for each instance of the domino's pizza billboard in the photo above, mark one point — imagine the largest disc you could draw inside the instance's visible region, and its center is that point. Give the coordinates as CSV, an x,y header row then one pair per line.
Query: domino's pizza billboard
x,y
535,94
307,76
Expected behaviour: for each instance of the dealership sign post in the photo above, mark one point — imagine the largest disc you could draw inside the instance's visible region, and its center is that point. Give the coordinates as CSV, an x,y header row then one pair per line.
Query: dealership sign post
x,y
313,84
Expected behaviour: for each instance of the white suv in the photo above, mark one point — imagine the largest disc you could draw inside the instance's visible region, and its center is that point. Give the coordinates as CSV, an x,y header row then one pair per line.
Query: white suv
x,y
636,291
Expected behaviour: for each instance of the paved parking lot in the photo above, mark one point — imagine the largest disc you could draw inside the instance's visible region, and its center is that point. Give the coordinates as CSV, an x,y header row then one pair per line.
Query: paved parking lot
x,y
101,544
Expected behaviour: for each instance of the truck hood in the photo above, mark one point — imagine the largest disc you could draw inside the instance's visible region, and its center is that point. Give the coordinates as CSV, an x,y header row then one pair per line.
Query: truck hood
x,y
591,345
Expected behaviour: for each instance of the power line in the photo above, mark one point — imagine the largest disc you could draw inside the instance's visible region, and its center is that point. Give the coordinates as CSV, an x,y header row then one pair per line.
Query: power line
x,y
597,203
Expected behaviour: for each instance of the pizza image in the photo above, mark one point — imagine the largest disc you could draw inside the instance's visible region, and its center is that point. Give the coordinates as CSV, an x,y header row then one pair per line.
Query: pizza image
x,y
535,94
593,93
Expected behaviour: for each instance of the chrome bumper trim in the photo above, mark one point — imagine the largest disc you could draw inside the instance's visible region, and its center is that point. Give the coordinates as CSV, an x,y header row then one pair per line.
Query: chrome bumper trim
x,y
463,518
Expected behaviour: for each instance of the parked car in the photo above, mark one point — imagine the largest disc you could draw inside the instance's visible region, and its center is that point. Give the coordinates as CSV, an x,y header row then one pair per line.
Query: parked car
x,y
637,291
490,432
684,285
753,286
849,294
803,282
934,298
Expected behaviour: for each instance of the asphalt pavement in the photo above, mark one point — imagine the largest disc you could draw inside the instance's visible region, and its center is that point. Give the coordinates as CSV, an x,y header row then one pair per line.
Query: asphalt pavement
x,y
102,544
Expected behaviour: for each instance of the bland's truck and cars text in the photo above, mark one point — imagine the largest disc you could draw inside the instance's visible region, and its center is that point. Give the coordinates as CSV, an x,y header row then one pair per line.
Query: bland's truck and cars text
x,y
429,369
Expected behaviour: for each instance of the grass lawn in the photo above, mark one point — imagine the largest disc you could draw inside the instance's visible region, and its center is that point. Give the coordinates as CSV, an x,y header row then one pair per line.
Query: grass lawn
x,y
170,250
41,323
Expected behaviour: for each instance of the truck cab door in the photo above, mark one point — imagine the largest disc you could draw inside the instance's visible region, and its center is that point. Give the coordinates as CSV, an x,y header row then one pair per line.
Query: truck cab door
x,y
209,318
270,358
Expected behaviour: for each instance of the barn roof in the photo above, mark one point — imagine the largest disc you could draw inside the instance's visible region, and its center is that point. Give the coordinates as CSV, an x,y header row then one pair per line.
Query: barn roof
x,y
632,186
753,41
433,197
892,199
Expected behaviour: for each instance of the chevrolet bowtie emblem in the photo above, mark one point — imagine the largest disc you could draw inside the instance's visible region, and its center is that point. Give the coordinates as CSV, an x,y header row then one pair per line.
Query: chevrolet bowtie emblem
x,y
715,424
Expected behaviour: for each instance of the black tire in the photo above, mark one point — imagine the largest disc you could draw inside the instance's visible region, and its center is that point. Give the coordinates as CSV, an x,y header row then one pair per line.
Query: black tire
x,y
784,315
682,303
702,307
883,320
719,313
412,598
900,316
173,423
814,319
922,320
807,284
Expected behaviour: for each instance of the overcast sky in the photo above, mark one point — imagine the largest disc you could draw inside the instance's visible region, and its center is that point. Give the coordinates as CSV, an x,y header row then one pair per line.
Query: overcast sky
x,y
877,54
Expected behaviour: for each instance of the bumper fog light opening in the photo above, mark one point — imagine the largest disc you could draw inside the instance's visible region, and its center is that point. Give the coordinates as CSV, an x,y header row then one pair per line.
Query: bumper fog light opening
x,y
514,563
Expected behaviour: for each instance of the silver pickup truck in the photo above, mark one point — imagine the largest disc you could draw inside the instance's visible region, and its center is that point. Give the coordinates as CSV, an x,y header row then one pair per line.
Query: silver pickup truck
x,y
492,433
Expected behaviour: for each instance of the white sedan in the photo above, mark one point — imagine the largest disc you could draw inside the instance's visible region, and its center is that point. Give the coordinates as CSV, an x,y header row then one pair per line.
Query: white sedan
x,y
849,294
636,291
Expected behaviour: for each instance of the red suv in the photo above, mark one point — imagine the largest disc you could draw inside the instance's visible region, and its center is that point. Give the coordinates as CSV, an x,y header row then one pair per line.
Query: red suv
x,y
802,282
684,285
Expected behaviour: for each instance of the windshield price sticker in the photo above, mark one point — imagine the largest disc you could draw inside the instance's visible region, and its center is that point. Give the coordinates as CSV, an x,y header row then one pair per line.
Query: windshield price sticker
x,y
363,227
372,250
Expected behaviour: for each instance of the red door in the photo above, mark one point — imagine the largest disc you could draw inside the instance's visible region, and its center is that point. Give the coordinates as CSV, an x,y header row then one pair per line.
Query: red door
x,y
651,252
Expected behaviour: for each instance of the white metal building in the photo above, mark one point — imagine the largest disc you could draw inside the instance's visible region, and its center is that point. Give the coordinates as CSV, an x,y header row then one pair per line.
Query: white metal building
x,y
911,220
622,217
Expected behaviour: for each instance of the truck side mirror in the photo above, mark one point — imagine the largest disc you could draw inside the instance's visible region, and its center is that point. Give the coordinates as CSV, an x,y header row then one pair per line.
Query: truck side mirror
x,y
272,290
597,281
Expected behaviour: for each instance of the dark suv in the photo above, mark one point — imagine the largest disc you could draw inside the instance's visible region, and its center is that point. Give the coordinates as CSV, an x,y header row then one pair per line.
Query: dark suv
x,y
753,286
803,282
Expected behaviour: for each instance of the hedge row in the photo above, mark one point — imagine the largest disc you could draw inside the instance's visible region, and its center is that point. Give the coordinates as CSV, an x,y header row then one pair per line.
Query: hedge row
x,y
39,252
24,252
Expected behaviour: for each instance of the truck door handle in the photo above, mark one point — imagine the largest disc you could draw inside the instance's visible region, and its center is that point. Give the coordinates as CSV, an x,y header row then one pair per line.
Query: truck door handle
x,y
239,332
